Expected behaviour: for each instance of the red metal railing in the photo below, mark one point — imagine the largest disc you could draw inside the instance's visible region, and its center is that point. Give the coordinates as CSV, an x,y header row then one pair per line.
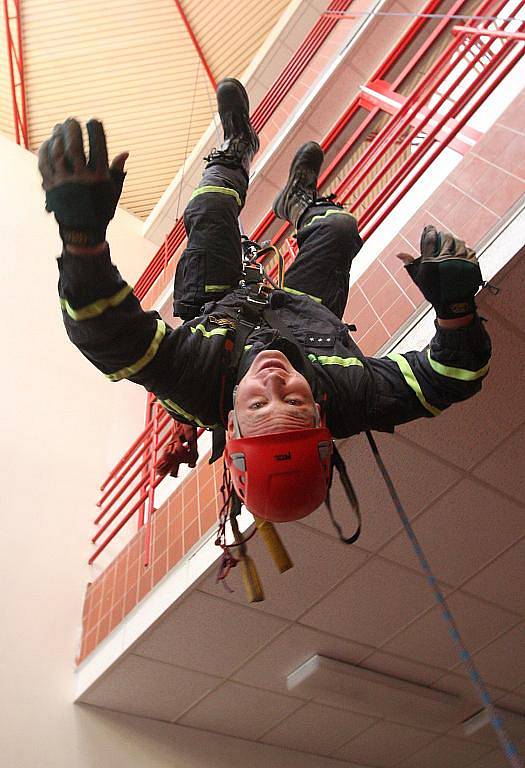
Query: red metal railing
x,y
129,489
461,78
15,58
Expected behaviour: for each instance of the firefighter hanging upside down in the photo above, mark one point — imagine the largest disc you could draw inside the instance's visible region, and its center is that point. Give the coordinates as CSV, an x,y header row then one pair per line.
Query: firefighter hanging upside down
x,y
276,368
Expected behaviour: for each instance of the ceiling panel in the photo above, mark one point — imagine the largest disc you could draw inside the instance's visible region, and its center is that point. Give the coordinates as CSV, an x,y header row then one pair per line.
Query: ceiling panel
x,y
149,688
503,581
385,744
457,753
502,662
500,467
381,521
138,72
372,605
240,710
427,638
494,759
319,729
250,20
228,635
493,526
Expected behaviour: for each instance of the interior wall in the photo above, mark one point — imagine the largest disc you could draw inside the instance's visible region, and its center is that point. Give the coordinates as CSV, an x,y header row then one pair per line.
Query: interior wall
x,y
63,425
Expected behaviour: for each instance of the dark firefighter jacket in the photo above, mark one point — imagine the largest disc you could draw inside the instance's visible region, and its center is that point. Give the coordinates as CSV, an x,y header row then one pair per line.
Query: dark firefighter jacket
x,y
185,367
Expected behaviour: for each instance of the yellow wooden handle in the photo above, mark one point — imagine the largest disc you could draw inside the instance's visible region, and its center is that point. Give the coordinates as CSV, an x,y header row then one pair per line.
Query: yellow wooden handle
x,y
250,577
274,544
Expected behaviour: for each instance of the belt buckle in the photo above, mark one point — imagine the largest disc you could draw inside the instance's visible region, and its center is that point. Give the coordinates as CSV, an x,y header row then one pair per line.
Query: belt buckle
x,y
260,295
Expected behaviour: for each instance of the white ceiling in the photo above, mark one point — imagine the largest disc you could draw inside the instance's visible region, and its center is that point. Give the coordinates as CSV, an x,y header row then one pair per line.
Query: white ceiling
x,y
216,663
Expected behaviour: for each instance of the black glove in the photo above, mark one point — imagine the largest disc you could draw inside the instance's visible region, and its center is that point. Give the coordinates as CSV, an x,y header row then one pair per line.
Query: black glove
x,y
447,273
82,195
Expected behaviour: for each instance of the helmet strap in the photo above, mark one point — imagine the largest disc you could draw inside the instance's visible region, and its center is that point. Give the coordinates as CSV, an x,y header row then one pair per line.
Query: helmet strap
x,y
237,430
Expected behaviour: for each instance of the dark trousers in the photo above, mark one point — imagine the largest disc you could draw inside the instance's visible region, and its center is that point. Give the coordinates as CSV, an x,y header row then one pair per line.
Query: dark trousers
x,y
211,265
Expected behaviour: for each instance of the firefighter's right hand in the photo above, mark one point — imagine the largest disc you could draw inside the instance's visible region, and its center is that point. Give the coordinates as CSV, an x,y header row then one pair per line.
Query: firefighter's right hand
x,y
83,194
447,273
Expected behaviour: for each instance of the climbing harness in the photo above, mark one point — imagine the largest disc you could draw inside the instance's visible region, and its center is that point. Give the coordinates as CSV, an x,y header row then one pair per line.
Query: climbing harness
x,y
255,311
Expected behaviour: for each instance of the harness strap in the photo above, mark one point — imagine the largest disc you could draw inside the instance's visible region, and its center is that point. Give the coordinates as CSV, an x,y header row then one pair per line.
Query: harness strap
x,y
339,464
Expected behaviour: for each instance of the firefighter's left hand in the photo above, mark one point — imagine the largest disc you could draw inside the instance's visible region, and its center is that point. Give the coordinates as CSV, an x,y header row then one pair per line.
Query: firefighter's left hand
x,y
447,273
83,194
182,449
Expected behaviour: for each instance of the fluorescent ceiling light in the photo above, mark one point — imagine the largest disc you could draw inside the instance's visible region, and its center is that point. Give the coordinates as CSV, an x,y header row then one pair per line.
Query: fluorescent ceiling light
x,y
373,693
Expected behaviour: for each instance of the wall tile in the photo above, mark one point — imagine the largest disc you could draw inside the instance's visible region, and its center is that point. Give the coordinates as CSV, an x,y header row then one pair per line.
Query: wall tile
x,y
190,536
504,148
175,528
363,321
386,297
208,517
160,568
175,552
130,599
373,339
397,314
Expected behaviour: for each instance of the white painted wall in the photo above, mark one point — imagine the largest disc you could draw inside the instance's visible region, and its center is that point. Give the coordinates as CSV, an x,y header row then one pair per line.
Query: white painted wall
x,y
63,425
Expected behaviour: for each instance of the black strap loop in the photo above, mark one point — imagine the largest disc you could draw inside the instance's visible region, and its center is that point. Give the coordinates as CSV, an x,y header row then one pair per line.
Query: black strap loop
x,y
339,464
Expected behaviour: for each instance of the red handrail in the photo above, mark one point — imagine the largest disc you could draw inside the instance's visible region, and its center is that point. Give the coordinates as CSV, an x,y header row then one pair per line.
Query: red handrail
x,y
15,57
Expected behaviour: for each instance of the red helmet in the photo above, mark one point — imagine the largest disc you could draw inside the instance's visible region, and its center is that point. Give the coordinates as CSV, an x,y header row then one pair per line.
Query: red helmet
x,y
281,476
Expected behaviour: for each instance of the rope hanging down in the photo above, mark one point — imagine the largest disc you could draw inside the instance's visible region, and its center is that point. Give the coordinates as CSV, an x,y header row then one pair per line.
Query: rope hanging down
x,y
507,745
187,139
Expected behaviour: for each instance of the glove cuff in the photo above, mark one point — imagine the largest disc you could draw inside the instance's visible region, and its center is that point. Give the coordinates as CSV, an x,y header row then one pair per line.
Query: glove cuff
x,y
83,211
84,238
455,309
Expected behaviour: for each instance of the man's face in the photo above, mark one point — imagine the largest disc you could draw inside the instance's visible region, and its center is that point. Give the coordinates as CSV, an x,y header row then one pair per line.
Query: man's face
x,y
273,397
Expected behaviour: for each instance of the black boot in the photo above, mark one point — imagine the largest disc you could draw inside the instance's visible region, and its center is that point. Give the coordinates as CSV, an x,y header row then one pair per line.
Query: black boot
x,y
300,191
240,140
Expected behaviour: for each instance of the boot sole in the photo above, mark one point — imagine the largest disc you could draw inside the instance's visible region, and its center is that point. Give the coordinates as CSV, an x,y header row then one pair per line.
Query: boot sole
x,y
239,87
243,103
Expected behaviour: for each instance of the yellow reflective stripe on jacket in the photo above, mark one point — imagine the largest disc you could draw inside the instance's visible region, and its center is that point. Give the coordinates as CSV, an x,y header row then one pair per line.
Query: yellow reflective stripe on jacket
x,y
302,293
408,375
98,307
131,370
216,288
457,373
213,332
329,212
221,191
345,362
171,406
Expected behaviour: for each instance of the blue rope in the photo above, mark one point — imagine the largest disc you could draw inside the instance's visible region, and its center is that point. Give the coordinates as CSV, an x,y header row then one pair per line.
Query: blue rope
x,y
507,745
